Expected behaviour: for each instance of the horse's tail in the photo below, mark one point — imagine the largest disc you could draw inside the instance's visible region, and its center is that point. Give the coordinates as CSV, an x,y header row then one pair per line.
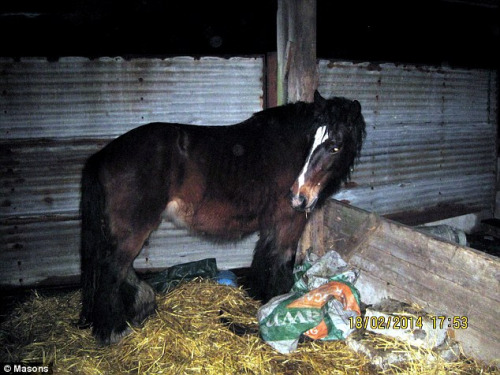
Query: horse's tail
x,y
96,245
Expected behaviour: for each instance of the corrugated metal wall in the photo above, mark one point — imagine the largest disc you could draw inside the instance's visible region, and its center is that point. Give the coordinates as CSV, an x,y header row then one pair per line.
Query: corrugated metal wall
x,y
431,135
53,115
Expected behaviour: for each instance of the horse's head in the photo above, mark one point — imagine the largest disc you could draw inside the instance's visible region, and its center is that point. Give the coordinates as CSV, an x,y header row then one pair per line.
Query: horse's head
x,y
336,139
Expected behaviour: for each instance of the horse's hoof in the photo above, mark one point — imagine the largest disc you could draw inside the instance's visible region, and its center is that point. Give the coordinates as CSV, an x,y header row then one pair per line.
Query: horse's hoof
x,y
143,314
116,337
82,323
105,339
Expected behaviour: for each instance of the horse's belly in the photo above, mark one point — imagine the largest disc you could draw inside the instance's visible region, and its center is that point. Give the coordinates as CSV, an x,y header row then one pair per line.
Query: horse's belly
x,y
215,219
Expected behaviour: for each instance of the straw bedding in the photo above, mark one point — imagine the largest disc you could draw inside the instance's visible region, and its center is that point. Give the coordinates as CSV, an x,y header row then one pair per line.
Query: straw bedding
x,y
186,336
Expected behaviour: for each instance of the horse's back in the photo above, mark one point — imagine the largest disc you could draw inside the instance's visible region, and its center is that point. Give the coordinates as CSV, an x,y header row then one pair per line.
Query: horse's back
x,y
138,141
216,180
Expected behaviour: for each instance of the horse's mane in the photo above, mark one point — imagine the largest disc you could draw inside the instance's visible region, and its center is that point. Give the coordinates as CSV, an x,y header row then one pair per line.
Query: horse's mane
x,y
291,117
272,134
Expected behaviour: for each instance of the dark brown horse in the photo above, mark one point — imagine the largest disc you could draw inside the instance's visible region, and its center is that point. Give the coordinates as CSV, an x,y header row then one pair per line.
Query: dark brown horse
x,y
222,182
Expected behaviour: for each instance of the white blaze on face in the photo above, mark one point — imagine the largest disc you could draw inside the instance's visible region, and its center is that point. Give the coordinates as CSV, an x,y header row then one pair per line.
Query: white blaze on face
x,y
319,138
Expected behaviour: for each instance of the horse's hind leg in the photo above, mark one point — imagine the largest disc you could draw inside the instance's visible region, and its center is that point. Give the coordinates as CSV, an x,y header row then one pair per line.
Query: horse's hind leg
x,y
124,191
121,298
138,298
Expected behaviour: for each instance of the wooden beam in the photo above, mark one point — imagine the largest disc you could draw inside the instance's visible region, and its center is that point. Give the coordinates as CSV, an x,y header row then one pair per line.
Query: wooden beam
x,y
296,33
271,99
297,81
444,278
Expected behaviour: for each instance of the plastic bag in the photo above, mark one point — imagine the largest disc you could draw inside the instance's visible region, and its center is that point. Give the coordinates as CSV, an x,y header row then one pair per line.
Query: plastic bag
x,y
164,281
319,306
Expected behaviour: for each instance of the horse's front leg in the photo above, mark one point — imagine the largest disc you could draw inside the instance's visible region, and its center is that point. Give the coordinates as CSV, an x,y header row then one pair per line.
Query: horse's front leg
x,y
271,272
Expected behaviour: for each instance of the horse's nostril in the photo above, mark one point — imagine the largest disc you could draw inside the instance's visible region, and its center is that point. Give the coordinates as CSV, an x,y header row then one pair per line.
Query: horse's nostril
x,y
299,201
302,200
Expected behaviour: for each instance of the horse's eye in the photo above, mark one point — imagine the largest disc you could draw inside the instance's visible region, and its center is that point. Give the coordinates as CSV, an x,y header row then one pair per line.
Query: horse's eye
x,y
335,149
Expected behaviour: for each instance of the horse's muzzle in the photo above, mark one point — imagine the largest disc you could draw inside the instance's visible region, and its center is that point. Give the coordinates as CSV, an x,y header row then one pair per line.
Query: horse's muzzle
x,y
300,202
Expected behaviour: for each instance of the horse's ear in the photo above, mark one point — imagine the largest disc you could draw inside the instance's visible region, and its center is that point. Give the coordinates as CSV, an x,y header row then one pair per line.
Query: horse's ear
x,y
318,99
319,103
356,106
354,110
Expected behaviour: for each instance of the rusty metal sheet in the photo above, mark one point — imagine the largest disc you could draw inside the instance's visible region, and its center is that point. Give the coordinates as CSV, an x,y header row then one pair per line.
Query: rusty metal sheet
x,y
431,135
54,114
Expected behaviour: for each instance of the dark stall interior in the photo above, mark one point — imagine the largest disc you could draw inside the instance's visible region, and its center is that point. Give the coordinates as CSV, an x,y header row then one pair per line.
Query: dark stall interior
x,y
462,34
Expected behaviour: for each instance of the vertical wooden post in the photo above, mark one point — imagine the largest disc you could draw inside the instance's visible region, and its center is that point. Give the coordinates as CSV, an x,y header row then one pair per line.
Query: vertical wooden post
x,y
297,80
271,80
296,33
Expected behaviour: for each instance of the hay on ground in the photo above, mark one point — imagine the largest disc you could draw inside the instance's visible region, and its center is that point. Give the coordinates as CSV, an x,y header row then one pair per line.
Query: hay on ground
x,y
186,336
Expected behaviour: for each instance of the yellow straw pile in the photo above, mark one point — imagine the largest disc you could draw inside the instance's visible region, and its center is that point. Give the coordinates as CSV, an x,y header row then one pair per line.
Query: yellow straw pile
x,y
186,336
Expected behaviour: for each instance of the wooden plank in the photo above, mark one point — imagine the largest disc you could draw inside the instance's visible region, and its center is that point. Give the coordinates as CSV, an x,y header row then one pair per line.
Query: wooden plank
x,y
461,265
313,237
418,249
343,224
405,252
479,345
436,293
445,278
350,246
